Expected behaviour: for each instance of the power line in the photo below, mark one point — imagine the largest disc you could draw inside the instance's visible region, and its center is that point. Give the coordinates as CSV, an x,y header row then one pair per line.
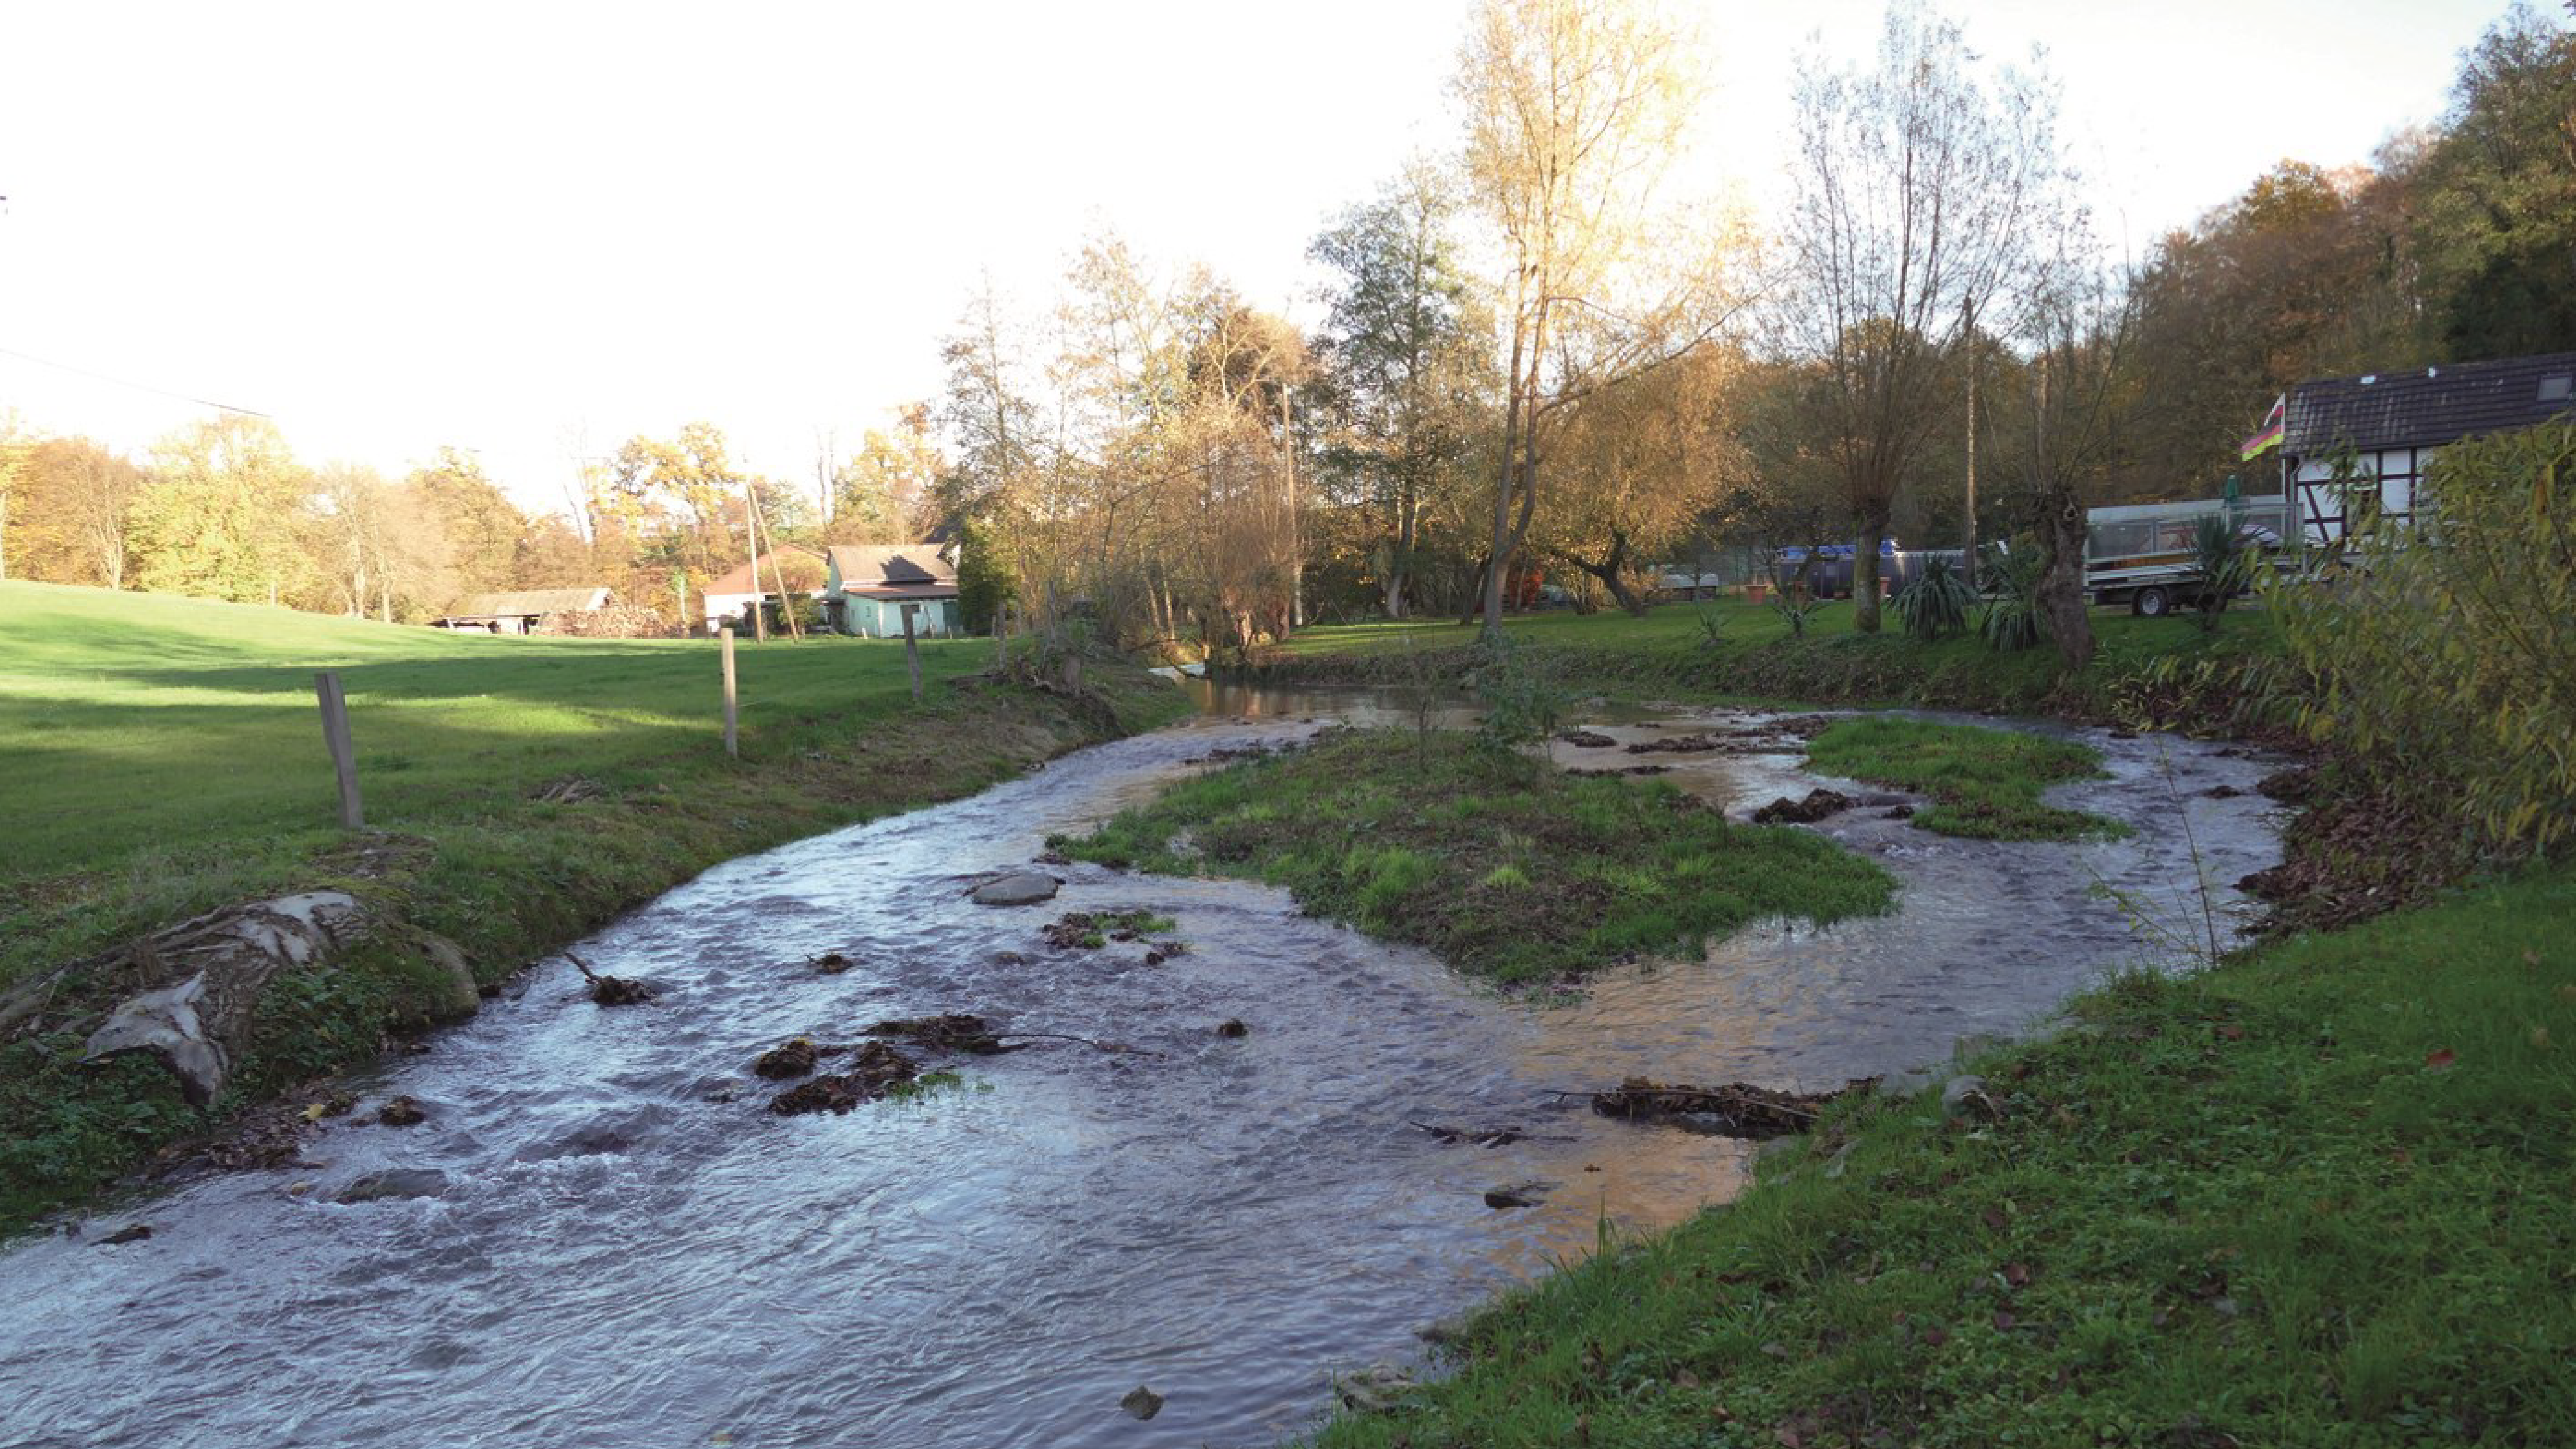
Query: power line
x,y
137,386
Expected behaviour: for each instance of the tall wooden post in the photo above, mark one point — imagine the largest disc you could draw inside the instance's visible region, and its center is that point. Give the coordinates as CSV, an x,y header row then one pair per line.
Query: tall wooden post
x,y
344,755
912,651
724,639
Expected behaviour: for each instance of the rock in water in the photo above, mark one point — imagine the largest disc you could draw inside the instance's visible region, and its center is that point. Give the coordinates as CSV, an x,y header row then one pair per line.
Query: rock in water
x,y
1230,1027
395,1182
1142,1402
401,1112
132,1233
1818,804
1020,888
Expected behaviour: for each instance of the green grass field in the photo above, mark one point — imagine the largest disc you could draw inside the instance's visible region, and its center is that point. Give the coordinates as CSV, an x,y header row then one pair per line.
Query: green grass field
x,y
2162,672
1985,784
136,724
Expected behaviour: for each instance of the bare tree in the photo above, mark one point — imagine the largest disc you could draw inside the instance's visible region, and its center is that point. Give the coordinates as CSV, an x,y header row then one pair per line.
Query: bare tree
x,y
1912,185
1576,109
2068,427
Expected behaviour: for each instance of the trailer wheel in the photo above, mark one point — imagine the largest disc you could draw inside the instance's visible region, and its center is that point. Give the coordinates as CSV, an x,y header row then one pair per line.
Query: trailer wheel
x,y
2153,601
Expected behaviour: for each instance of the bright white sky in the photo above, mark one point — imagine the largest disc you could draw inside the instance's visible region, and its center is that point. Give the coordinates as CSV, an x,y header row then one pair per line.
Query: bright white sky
x,y
537,229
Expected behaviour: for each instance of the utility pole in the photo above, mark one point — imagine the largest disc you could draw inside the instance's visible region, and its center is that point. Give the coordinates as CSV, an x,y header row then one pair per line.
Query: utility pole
x,y
1969,571
1296,527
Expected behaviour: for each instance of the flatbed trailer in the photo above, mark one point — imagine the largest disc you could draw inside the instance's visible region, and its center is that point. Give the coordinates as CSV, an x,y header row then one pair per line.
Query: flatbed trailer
x,y
2143,554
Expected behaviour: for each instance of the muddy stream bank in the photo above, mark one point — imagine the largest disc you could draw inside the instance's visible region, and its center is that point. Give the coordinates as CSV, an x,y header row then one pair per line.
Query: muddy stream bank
x,y
624,1245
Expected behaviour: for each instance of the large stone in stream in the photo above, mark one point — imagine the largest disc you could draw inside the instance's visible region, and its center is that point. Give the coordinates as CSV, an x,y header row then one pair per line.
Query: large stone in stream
x,y
1020,888
395,1182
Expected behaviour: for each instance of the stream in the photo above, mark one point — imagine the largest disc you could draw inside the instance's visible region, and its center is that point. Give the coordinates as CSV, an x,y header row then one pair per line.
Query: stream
x,y
632,1250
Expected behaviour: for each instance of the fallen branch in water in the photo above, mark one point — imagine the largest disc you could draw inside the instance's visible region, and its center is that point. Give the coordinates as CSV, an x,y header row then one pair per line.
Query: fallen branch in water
x,y
1737,1109
610,990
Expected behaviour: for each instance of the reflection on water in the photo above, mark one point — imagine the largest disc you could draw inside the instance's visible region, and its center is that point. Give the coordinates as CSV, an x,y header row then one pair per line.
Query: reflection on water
x,y
631,1253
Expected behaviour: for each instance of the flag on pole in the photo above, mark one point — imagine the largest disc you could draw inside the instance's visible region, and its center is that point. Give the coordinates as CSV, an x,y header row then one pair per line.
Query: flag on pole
x,y
2270,435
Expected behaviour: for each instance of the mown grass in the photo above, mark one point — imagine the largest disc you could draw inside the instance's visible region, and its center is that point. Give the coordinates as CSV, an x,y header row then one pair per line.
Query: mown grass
x,y
1502,870
1985,783
2148,672
2319,1195
163,756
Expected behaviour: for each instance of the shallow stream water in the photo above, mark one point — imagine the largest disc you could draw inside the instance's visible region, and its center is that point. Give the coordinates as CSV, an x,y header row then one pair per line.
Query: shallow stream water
x,y
632,1250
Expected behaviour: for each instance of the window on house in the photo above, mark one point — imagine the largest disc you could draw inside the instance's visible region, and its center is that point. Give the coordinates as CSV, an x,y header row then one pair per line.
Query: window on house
x,y
2556,388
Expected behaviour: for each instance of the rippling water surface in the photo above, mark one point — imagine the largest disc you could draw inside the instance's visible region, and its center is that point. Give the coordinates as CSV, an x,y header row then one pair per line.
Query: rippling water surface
x,y
632,1250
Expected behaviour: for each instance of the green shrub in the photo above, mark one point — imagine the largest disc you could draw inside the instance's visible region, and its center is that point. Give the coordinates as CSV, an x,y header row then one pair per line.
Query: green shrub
x,y
2445,657
2226,569
2012,617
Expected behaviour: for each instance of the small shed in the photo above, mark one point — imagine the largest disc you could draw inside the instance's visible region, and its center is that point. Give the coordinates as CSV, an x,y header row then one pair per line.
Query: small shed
x,y
729,596
867,585
516,611
2353,446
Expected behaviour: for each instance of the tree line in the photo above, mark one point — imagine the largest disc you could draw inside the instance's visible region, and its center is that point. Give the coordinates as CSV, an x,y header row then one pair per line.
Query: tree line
x,y
1540,355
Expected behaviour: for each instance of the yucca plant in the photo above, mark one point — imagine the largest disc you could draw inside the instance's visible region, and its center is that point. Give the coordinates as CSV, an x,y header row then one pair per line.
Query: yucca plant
x,y
1936,603
2012,619
2225,565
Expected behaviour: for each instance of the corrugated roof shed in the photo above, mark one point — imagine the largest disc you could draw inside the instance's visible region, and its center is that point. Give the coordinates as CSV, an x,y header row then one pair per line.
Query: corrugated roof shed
x,y
2428,407
528,603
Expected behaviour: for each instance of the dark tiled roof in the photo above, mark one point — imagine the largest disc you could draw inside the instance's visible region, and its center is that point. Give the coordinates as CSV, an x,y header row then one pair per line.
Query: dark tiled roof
x,y
877,565
2426,407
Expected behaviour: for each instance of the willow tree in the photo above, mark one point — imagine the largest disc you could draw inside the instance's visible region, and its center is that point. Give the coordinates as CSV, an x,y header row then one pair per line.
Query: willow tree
x,y
1638,467
1911,185
1576,113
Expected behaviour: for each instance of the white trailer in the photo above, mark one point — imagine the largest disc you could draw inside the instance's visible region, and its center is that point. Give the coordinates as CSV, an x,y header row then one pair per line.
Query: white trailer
x,y
2143,555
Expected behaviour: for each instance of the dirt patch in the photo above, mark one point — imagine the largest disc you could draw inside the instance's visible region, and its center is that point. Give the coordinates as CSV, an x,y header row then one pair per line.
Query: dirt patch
x,y
1737,1109
2352,854
1818,804
872,1070
1622,770
1587,739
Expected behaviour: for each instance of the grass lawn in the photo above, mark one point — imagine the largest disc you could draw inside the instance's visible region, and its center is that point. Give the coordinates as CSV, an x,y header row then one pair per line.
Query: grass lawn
x,y
1510,873
163,756
2318,1195
2147,671
1985,783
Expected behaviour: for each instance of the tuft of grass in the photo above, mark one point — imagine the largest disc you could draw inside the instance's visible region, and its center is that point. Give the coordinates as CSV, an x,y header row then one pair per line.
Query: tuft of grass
x,y
1985,783
2317,1195
1409,838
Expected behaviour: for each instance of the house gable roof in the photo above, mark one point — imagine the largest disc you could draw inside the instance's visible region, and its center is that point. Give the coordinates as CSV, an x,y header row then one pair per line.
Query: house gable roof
x,y
891,565
2429,406
513,603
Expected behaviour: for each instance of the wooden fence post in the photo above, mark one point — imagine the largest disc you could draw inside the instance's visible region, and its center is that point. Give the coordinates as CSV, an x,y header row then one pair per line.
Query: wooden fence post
x,y
724,638
912,651
344,755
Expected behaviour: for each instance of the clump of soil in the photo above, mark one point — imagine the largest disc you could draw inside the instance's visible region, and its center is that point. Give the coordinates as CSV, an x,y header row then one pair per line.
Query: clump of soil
x,y
1232,1027
2294,786
831,963
401,1112
1587,739
1224,754
953,1032
1622,770
872,1070
1091,930
1698,744
1818,804
1734,1110
1800,726
794,1059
